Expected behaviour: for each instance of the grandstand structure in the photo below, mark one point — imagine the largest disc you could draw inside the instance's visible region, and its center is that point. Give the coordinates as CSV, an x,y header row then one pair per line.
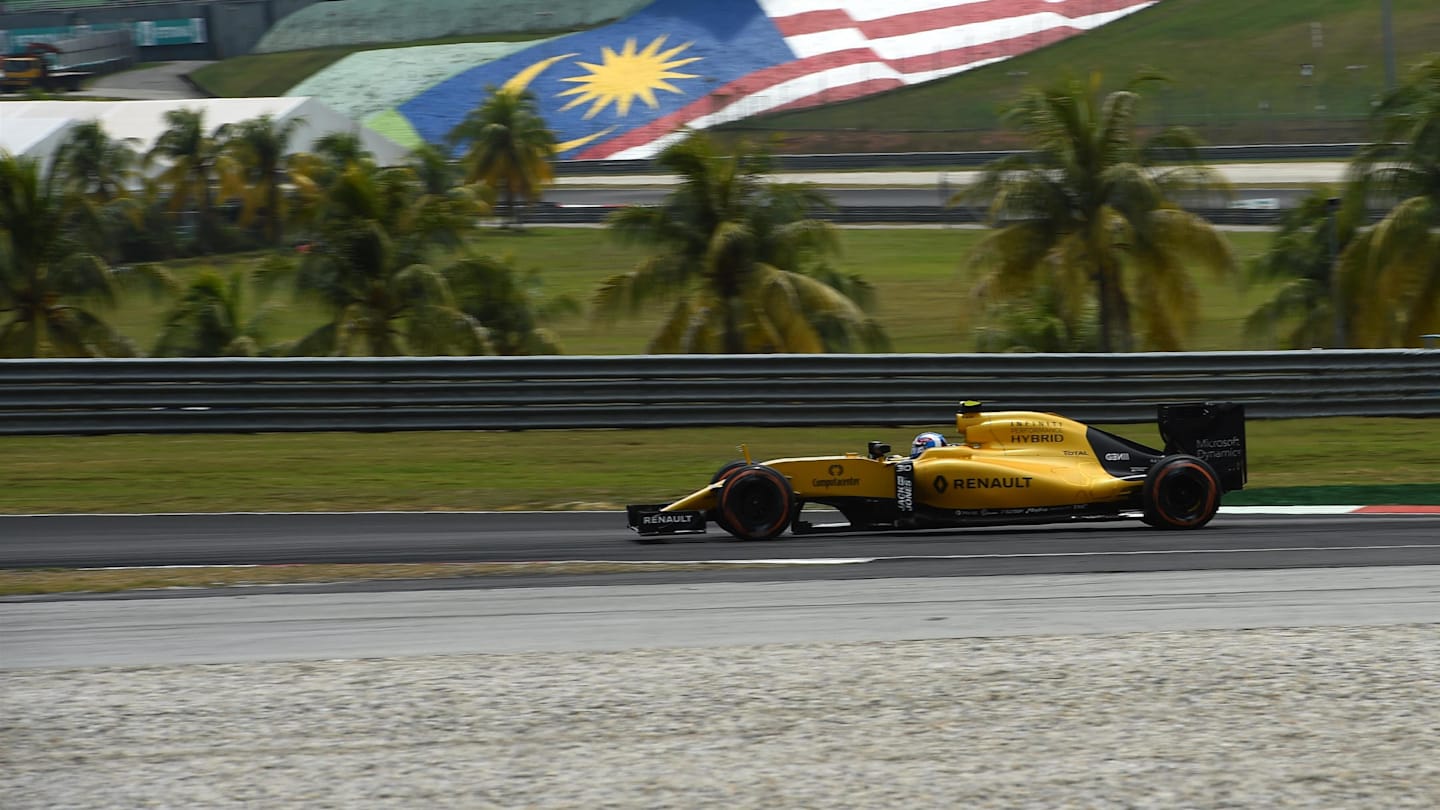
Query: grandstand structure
x,y
613,78
624,89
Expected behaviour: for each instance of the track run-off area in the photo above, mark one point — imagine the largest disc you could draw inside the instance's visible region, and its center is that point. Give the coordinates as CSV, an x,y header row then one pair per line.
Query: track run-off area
x,y
1243,570
1097,665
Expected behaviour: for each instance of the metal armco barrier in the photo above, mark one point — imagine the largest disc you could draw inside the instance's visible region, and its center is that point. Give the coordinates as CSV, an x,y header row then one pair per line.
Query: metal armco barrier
x,y
940,160
529,393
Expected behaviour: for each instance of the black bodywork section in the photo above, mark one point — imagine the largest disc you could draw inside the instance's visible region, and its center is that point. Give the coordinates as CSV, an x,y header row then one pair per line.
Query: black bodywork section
x,y
1119,456
650,519
1213,432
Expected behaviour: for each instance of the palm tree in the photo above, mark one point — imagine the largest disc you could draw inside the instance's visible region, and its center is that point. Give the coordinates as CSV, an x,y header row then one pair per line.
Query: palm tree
x,y
46,278
508,147
740,258
368,269
340,149
432,167
508,303
209,321
1302,258
1390,274
195,162
261,150
1088,211
93,164
98,174
1042,321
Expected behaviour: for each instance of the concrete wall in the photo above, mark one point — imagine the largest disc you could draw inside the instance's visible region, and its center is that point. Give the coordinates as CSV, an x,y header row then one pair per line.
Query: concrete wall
x,y
238,24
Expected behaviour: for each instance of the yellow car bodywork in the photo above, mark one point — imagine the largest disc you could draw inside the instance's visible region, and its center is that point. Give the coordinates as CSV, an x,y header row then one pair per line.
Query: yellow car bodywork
x,y
1000,467
1008,460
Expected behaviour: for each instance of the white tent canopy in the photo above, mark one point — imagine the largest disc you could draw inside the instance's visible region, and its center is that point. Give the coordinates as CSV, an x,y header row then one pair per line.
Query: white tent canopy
x,y
36,128
35,137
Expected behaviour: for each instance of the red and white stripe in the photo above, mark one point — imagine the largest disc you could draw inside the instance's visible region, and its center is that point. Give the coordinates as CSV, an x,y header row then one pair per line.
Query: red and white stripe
x,y
846,49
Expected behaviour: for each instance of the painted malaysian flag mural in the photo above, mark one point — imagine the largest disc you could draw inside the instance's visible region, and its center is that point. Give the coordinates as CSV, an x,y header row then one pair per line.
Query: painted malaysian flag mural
x,y
623,90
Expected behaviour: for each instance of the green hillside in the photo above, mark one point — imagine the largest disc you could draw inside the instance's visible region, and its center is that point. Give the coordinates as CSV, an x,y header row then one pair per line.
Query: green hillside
x,y
1235,67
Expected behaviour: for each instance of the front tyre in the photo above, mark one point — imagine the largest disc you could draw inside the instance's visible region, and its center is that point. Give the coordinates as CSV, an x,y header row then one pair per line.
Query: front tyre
x,y
1181,492
722,474
756,503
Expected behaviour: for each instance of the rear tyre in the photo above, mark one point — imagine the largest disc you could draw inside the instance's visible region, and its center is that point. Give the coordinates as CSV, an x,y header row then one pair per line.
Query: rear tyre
x,y
1181,492
756,503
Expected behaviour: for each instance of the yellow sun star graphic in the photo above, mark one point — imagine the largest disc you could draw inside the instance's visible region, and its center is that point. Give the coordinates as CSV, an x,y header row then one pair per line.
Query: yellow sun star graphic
x,y
622,77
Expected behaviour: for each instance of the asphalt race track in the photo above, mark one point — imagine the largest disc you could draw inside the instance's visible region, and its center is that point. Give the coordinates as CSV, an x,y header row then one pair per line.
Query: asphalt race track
x,y
1230,542
1241,571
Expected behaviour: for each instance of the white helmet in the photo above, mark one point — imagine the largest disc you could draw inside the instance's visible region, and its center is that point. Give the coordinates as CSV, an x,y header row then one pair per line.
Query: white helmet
x,y
925,441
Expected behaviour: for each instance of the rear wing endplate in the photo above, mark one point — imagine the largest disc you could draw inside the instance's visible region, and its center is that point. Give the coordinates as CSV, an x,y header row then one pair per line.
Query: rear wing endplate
x,y
1211,431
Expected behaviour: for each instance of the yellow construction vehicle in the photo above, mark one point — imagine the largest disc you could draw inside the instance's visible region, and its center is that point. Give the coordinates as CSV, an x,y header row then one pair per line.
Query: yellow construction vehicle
x,y
31,68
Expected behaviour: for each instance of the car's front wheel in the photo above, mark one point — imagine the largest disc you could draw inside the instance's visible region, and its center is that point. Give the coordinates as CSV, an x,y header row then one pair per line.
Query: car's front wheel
x,y
1181,492
756,503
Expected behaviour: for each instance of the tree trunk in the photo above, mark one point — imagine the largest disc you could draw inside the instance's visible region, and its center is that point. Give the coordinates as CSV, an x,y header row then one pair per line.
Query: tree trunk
x,y
206,229
1102,293
1115,331
733,344
272,204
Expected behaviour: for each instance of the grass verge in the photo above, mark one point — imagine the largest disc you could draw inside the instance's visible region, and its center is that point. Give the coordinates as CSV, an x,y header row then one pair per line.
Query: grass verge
x,y
34,581
569,469
1352,494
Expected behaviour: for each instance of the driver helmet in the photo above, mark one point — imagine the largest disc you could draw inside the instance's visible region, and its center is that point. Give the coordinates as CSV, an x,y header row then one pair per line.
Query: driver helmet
x,y
924,442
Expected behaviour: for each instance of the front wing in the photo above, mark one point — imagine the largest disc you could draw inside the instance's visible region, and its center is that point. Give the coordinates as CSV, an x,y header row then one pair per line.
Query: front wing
x,y
650,519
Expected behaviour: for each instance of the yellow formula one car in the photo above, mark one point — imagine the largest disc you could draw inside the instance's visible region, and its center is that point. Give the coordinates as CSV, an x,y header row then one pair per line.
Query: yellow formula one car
x,y
1003,467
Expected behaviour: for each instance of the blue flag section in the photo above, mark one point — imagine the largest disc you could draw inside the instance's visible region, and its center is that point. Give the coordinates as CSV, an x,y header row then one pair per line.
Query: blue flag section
x,y
596,86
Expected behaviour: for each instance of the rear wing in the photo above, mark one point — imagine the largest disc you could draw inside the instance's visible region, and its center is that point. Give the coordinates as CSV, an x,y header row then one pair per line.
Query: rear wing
x,y
1212,431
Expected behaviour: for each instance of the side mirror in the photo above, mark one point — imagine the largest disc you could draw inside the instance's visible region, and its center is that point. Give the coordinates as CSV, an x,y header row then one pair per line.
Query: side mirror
x,y
878,450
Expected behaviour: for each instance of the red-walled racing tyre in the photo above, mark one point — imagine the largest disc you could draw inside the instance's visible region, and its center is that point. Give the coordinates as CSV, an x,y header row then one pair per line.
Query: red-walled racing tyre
x,y
727,470
1180,492
756,503
721,474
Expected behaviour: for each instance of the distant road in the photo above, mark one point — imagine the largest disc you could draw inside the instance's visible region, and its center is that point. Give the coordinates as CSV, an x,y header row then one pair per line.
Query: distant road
x,y
898,196
1260,187
159,83
1238,174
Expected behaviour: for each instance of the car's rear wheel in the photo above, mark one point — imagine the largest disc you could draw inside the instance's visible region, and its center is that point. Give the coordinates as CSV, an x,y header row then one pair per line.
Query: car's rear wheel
x,y
1181,492
756,503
